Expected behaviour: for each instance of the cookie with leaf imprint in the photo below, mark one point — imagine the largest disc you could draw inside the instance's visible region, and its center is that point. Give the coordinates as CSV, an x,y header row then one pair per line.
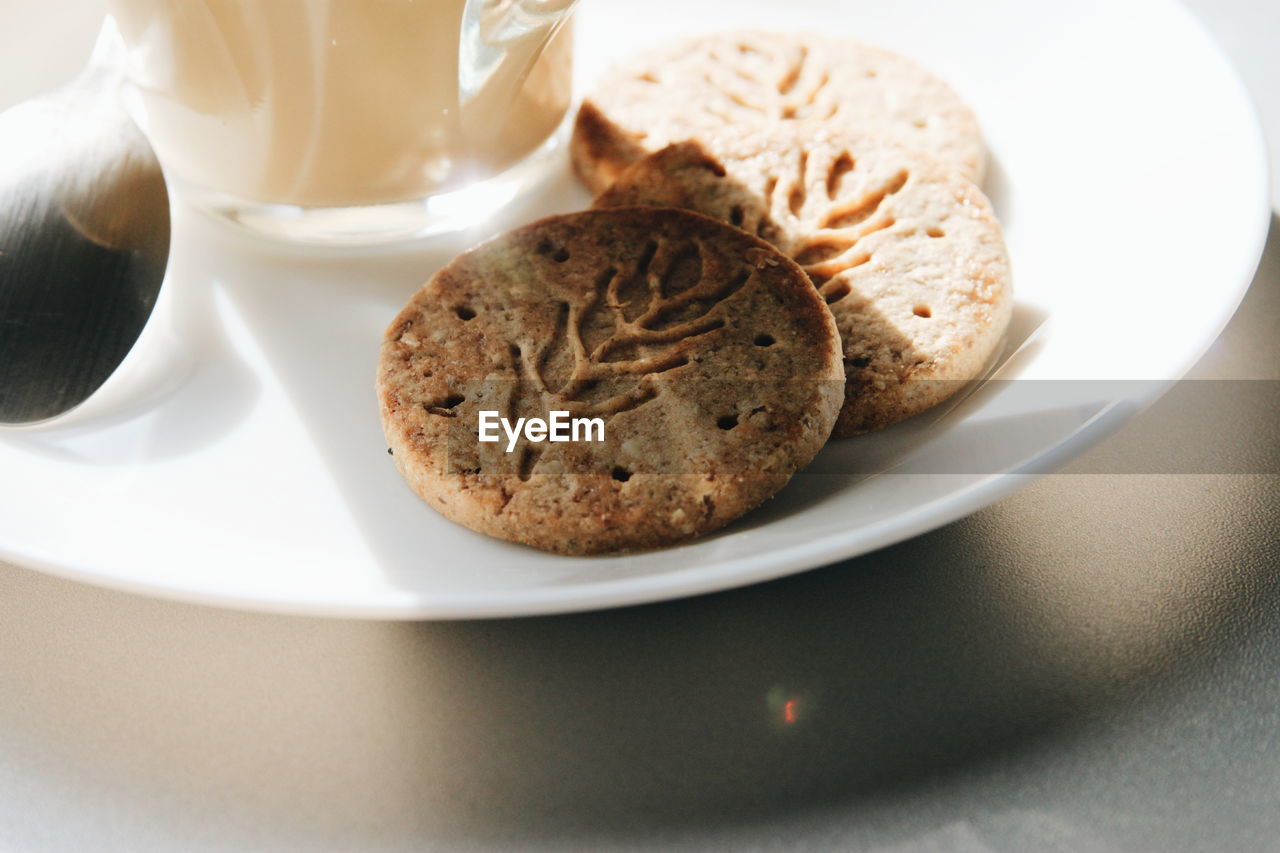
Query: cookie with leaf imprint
x,y
699,88
710,361
907,254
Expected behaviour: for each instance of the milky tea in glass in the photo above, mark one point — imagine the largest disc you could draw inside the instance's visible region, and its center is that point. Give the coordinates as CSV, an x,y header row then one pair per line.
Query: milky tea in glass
x,y
335,120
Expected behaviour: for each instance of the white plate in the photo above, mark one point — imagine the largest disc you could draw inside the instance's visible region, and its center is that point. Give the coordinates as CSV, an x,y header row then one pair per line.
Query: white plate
x,y
1128,171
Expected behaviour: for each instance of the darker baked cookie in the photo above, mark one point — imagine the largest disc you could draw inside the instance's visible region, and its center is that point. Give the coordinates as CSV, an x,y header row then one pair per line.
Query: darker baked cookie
x,y
710,361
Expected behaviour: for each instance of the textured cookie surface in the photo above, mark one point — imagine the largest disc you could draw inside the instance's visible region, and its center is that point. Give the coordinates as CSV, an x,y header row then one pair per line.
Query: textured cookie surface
x,y
907,254
708,355
696,89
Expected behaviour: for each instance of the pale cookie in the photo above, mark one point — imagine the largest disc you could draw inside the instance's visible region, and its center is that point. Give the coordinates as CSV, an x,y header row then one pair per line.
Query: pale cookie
x,y
710,359
907,254
694,90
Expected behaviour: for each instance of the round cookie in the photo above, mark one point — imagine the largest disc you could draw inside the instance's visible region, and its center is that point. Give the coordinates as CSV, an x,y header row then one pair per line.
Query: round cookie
x,y
708,356
907,254
694,90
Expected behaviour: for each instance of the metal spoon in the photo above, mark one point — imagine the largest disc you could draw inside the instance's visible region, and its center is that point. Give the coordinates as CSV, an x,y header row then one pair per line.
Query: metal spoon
x,y
84,240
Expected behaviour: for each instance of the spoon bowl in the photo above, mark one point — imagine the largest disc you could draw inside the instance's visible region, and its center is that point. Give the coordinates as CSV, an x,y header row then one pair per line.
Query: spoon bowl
x,y
84,241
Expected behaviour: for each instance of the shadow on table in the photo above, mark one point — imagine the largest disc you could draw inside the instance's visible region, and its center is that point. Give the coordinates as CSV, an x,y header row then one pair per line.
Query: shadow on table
x,y
870,676
830,690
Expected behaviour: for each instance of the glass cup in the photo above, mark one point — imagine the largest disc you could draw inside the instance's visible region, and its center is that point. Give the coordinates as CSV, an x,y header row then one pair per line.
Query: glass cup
x,y
348,121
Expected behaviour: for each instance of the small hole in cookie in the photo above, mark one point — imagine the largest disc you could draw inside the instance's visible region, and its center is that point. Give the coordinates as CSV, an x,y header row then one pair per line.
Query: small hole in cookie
x,y
858,361
515,350
922,311
445,408
560,256
727,422
735,216
621,474
935,231
764,340
464,313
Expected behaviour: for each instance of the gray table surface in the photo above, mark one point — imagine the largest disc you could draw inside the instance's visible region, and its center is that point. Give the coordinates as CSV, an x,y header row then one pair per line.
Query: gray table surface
x,y
1091,664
